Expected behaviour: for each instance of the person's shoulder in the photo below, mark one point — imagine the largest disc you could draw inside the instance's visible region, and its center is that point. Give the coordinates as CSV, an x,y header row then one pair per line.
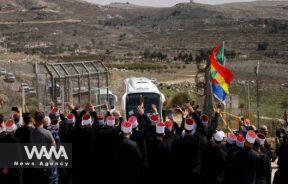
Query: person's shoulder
x,y
129,142
254,154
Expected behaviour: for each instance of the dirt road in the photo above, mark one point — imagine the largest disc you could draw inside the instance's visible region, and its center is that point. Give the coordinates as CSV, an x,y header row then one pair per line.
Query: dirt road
x,y
42,22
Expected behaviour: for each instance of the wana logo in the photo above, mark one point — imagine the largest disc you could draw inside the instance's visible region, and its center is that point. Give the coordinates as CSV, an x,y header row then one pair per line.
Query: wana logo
x,y
44,153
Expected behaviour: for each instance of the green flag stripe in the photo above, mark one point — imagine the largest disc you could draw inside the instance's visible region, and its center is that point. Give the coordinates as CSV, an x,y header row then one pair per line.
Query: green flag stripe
x,y
219,57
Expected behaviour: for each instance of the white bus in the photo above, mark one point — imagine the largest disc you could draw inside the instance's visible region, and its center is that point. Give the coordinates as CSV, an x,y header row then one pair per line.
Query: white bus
x,y
137,88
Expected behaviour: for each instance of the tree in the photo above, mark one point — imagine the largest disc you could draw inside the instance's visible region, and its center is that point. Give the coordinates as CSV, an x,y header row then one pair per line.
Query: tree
x,y
179,99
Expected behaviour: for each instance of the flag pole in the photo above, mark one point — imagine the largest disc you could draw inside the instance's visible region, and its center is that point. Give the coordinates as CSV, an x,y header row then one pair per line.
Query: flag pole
x,y
223,55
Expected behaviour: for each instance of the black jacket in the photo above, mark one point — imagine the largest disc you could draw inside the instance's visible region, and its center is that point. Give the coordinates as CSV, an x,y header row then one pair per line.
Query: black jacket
x,y
24,134
264,169
128,162
246,167
217,160
282,153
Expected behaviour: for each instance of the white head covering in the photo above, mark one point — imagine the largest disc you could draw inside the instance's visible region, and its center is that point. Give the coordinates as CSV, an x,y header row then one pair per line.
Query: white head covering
x,y
10,125
47,121
160,128
219,136
251,136
126,127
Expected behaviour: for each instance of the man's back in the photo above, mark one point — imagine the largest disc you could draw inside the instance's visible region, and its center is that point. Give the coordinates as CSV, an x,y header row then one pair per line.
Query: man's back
x,y
41,135
128,158
247,162
24,134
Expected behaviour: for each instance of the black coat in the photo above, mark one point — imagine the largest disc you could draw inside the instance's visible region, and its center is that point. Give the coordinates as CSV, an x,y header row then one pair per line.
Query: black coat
x,y
24,134
104,143
282,153
217,160
14,175
264,170
158,159
139,137
128,162
186,159
82,154
246,166
186,155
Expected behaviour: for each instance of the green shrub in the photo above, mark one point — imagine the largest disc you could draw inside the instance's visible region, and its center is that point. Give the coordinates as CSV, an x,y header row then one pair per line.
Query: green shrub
x,y
179,99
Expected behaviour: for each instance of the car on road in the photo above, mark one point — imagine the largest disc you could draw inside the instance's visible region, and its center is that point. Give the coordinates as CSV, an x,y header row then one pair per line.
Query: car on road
x,y
3,72
32,92
24,86
10,77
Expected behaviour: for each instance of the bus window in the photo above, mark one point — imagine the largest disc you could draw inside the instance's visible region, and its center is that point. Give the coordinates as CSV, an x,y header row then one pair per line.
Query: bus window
x,y
133,100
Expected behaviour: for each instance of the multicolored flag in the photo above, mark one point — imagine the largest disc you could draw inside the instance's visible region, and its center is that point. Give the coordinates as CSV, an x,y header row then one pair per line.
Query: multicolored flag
x,y
221,77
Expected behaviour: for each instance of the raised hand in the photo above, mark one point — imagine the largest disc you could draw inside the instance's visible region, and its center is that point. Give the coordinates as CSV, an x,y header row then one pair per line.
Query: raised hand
x,y
140,110
89,107
154,109
70,106
105,105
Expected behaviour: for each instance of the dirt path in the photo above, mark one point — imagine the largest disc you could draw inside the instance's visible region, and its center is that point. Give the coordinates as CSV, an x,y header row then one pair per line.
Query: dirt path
x,y
42,22
8,11
188,78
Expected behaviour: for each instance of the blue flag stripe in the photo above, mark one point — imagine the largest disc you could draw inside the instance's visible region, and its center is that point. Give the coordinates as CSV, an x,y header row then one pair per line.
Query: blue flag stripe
x,y
219,93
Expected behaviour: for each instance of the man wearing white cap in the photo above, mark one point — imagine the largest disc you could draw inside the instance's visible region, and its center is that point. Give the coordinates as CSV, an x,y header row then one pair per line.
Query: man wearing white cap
x,y
264,166
89,109
186,154
210,128
158,152
216,160
128,158
10,175
82,150
138,135
104,143
247,161
233,146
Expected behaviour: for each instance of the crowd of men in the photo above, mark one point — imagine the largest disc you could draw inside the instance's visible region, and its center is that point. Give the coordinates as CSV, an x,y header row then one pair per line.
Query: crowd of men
x,y
145,149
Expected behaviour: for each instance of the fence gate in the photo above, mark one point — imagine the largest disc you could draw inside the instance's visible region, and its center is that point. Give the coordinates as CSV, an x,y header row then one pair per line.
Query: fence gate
x,y
75,82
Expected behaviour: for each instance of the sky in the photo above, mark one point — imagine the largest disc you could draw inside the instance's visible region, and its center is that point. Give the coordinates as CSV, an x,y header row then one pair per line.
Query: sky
x,y
163,3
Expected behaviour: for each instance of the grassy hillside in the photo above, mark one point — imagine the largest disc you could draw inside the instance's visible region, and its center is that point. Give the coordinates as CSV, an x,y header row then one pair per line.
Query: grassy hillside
x,y
122,34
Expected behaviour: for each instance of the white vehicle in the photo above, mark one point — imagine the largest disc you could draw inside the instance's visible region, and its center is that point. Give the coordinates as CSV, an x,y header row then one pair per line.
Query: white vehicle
x,y
9,77
24,86
112,99
138,88
3,71
32,92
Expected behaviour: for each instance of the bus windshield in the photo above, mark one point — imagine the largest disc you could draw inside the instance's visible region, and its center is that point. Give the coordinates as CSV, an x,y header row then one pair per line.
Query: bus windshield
x,y
133,100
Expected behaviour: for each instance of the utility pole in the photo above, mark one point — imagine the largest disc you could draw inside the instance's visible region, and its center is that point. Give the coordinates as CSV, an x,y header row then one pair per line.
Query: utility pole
x,y
257,93
37,84
23,99
223,53
248,98
208,103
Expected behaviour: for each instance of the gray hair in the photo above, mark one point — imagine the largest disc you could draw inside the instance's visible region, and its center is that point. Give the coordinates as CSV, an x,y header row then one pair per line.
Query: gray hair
x,y
263,127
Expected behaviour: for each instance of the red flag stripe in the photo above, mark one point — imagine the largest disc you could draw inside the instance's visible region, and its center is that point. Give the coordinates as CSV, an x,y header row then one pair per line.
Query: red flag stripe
x,y
222,70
